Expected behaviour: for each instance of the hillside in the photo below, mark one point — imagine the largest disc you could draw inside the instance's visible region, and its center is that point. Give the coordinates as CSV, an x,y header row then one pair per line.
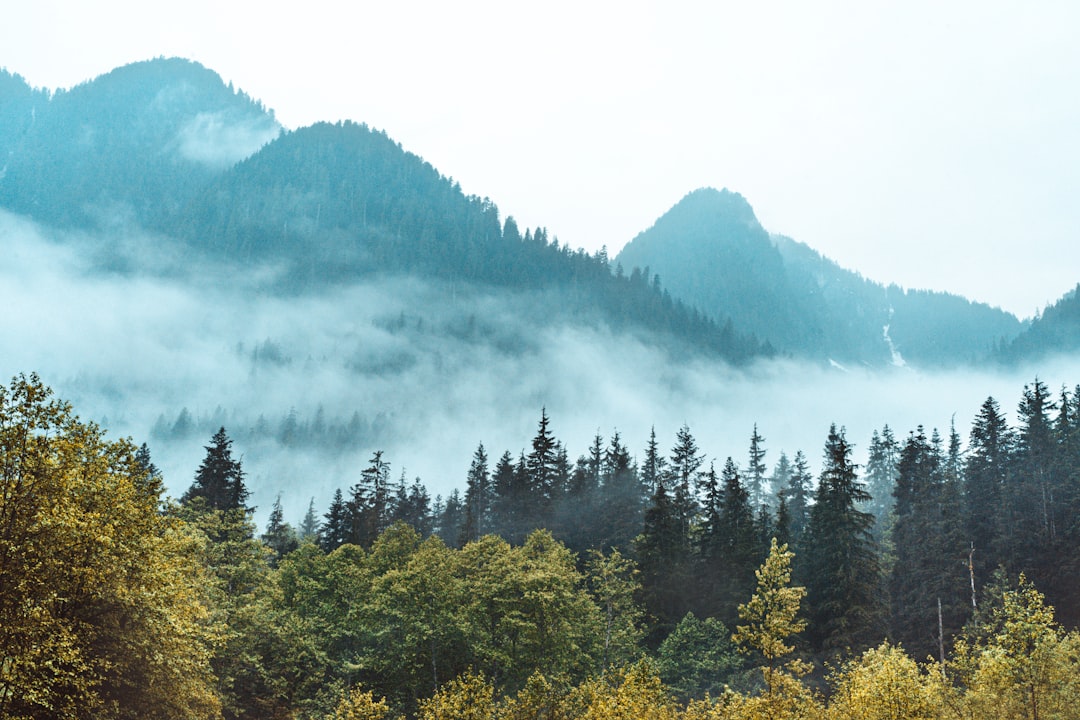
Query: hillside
x,y
711,251
135,143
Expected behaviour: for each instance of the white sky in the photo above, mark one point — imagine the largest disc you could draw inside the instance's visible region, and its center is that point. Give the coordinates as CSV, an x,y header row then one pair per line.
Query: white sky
x,y
925,143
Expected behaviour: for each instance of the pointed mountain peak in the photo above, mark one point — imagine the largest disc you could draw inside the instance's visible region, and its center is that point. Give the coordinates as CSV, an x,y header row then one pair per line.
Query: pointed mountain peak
x,y
713,206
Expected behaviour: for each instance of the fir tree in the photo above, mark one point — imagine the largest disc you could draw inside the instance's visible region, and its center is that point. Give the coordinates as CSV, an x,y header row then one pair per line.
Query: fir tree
x,y
477,497
839,559
279,536
337,530
309,528
986,479
219,480
755,470
798,497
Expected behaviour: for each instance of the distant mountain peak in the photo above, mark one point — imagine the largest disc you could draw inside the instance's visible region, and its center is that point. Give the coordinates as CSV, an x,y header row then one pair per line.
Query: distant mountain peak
x,y
724,205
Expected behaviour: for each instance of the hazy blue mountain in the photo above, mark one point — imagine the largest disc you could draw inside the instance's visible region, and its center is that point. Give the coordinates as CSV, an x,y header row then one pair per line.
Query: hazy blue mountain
x,y
711,251
135,143
163,165
1055,331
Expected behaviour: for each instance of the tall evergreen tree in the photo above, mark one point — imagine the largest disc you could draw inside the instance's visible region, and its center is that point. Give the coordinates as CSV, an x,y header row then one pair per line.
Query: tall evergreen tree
x,y
541,466
309,527
798,497
881,472
755,470
219,480
337,530
986,480
279,536
683,478
653,469
369,502
1033,500
739,538
929,552
663,553
779,480
478,497
840,563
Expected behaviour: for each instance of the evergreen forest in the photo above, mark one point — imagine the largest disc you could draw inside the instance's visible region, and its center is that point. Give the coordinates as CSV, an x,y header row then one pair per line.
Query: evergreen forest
x,y
936,582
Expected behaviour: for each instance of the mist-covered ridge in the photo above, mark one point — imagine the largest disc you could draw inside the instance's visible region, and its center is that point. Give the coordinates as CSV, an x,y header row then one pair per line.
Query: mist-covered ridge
x,y
711,251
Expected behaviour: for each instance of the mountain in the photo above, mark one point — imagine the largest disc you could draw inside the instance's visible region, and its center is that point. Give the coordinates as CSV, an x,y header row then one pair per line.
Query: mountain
x,y
137,142
1055,331
711,251
164,148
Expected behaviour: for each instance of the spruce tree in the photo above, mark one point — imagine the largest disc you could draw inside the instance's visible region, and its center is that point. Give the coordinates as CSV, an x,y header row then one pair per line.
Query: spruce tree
x,y
683,478
663,554
755,470
337,530
309,528
219,480
477,497
653,469
928,548
739,537
798,498
839,561
881,476
279,536
987,475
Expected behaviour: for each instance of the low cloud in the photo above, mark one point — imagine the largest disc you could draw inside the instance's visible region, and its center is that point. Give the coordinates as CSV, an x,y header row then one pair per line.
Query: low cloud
x,y
219,139
309,386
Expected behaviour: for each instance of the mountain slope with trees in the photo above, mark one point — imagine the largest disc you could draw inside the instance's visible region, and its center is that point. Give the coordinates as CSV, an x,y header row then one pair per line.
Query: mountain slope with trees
x,y
711,251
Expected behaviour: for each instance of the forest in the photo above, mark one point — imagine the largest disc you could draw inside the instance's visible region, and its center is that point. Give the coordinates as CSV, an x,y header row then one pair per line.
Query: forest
x,y
938,581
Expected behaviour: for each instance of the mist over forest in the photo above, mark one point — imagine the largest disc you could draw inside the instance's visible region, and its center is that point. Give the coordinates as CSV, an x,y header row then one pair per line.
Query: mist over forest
x,y
493,471
309,385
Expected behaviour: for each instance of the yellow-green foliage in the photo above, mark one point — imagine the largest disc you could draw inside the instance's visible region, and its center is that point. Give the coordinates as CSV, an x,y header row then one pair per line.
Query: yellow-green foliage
x,y
885,684
103,612
361,705
1027,667
635,693
467,697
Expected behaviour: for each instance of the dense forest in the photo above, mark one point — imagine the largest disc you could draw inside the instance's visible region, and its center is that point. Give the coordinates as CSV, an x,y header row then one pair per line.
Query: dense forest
x,y
923,585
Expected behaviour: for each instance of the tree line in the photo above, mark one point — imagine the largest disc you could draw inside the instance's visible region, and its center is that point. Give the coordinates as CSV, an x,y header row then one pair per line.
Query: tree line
x,y
674,590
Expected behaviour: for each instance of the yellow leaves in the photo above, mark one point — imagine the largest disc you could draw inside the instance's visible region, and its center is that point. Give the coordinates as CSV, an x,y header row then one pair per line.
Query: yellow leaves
x,y
770,615
467,697
361,705
634,693
103,610
885,684
1028,666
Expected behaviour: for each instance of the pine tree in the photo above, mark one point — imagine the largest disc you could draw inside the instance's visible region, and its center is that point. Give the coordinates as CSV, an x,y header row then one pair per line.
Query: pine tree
x,y
369,502
1034,496
452,519
309,528
986,478
477,497
542,471
739,539
683,478
780,479
337,530
279,535
839,562
881,475
755,470
652,470
929,551
663,553
798,497
219,480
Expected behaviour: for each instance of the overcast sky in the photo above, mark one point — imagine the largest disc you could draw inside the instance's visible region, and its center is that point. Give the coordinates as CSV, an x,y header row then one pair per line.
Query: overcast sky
x,y
929,144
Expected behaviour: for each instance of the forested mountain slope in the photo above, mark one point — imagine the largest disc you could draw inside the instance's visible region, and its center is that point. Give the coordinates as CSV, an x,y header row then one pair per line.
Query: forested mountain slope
x,y
711,251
